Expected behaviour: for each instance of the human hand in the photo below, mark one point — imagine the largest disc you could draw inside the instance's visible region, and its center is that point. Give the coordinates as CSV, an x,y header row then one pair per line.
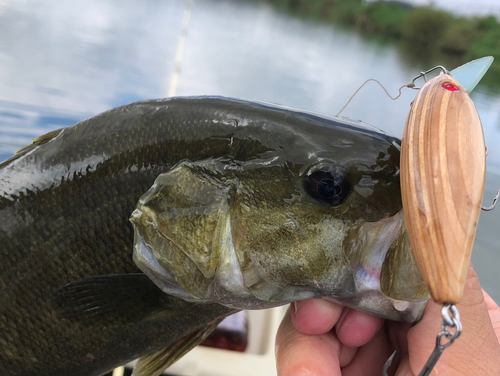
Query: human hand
x,y
318,337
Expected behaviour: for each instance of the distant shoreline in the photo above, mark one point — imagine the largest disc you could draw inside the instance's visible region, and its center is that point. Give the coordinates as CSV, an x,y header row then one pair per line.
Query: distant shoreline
x,y
467,8
421,31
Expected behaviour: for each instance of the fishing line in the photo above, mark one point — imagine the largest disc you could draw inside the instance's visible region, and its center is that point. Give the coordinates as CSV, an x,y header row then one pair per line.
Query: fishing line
x,y
382,86
120,371
180,49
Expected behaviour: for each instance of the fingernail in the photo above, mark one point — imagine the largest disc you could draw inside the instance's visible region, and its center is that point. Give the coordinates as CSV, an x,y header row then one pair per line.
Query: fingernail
x,y
297,307
293,309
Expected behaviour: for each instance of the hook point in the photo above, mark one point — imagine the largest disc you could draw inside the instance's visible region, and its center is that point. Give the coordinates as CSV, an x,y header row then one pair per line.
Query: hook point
x,y
495,201
388,363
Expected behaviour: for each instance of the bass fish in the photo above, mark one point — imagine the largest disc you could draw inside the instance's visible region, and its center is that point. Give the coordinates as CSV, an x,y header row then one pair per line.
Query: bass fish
x,y
223,204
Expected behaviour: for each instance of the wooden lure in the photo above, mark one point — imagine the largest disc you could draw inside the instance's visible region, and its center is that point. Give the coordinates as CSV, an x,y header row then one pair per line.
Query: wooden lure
x,y
443,168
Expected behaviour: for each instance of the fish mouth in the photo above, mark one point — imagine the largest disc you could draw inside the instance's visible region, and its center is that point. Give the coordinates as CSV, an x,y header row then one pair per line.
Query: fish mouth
x,y
386,277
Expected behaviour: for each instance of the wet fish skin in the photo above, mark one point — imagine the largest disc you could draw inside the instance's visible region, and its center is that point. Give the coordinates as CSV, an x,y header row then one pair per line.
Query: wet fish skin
x,y
65,207
64,212
261,239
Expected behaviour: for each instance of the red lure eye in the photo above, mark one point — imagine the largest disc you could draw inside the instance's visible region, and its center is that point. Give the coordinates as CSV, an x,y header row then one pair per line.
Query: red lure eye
x,y
450,86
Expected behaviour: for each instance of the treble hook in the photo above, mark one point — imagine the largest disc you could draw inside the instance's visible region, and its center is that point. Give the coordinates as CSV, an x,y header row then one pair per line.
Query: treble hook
x,y
388,363
449,320
495,201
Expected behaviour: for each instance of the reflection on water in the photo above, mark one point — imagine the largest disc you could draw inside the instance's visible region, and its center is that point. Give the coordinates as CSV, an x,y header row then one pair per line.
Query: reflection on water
x,y
70,60
65,61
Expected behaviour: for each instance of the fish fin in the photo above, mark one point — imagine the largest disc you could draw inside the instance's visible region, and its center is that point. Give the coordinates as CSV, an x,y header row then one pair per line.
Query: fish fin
x,y
36,142
154,364
43,139
125,296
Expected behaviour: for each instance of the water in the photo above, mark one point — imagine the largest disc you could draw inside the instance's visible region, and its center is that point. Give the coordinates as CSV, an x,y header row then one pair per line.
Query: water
x,y
62,62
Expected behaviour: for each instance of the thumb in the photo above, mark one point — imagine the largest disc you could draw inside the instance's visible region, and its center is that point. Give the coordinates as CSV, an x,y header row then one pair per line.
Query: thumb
x,y
475,352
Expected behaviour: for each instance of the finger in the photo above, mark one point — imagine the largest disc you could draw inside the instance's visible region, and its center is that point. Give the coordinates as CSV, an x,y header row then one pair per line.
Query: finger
x,y
347,354
370,358
477,350
397,333
490,303
357,328
494,312
315,316
301,354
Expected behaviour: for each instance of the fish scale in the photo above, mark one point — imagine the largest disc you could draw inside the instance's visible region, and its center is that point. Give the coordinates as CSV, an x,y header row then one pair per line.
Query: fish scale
x,y
65,205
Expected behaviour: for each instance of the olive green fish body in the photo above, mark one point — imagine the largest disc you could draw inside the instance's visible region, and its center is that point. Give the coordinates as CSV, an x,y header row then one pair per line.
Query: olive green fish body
x,y
64,210
65,205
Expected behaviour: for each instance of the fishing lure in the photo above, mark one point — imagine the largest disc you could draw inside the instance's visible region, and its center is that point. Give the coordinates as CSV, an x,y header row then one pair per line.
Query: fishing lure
x,y
443,169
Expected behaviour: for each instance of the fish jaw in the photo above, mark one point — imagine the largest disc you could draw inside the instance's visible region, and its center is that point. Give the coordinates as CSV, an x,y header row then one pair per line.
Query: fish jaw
x,y
205,270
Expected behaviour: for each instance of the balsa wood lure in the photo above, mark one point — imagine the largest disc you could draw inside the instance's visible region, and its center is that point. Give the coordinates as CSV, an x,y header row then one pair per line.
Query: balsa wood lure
x,y
443,169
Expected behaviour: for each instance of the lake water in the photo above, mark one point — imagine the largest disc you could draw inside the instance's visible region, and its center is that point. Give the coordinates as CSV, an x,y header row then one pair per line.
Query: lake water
x,y
61,62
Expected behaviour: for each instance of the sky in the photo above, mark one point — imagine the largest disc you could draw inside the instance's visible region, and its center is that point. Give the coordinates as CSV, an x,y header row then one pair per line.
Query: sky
x,y
463,7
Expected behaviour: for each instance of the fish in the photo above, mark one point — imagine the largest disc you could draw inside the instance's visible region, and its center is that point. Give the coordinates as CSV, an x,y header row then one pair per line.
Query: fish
x,y
134,233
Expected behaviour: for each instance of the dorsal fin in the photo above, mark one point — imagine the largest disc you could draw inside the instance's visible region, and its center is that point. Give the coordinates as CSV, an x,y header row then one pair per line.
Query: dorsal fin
x,y
43,139
36,142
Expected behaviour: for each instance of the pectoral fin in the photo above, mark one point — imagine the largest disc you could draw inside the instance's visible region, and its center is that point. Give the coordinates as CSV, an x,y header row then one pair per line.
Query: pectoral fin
x,y
155,364
124,296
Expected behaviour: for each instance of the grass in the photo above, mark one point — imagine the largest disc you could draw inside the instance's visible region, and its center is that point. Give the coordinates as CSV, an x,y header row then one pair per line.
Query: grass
x,y
421,31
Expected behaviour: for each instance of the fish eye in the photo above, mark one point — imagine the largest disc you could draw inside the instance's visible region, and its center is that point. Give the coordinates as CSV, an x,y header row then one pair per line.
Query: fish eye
x,y
330,187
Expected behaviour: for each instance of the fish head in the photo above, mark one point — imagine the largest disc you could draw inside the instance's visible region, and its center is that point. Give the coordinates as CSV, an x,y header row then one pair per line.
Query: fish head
x,y
287,226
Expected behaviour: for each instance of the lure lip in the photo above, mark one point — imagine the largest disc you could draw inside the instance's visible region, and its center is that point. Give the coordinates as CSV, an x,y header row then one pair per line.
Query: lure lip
x,y
469,74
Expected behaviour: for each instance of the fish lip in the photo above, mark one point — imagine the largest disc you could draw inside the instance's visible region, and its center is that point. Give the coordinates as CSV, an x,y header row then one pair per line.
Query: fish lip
x,y
378,238
412,313
367,296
